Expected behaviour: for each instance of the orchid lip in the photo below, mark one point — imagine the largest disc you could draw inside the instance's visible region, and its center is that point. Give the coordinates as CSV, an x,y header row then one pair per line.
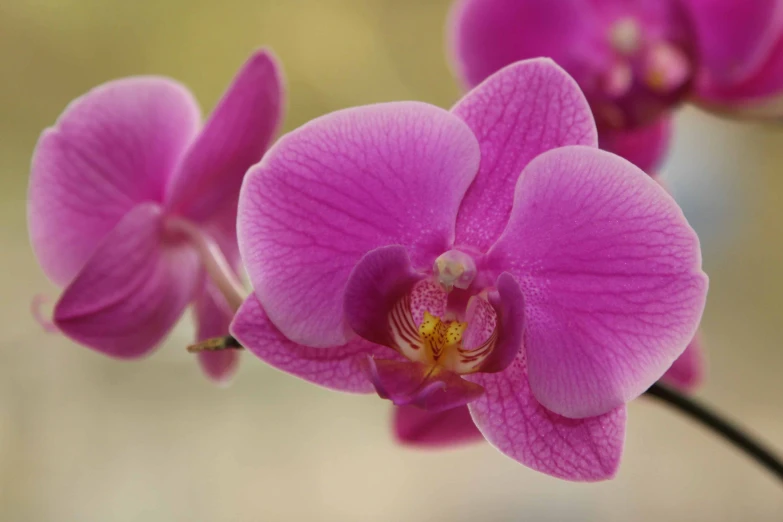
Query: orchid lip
x,y
435,341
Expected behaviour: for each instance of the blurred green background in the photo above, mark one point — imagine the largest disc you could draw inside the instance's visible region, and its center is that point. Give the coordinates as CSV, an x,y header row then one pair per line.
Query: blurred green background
x,y
89,439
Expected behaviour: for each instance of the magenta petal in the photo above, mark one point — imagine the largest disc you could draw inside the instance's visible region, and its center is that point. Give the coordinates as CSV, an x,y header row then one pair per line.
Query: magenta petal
x,y
379,280
734,38
340,186
421,428
687,372
219,366
767,81
509,306
645,147
513,421
758,96
487,35
742,74
338,368
427,387
132,290
611,275
521,111
213,317
112,148
234,138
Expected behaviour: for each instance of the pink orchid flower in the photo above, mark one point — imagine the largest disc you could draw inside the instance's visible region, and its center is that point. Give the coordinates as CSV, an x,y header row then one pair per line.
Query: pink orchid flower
x,y
132,204
635,59
489,256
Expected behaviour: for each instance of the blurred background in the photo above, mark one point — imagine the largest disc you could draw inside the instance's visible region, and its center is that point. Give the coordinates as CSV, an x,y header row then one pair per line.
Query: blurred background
x,y
86,438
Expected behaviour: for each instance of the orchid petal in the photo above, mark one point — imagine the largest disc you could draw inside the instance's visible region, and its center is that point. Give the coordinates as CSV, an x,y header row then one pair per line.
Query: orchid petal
x,y
742,53
645,147
133,289
760,96
219,366
338,187
482,319
509,306
378,282
733,41
521,111
766,83
444,429
487,35
687,372
512,420
611,275
111,149
428,387
234,138
338,368
213,317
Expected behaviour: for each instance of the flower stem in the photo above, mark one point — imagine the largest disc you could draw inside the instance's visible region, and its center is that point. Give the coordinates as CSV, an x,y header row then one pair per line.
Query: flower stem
x,y
726,429
214,262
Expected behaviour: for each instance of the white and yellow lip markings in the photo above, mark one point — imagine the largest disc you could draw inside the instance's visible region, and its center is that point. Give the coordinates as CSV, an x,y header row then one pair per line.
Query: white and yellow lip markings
x,y
436,342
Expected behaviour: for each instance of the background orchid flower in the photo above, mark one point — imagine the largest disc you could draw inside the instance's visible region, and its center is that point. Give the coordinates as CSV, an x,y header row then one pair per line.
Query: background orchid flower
x,y
635,60
491,256
131,204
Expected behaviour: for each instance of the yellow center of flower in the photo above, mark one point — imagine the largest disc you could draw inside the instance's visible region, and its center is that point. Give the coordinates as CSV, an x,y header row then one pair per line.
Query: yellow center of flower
x,y
440,337
435,342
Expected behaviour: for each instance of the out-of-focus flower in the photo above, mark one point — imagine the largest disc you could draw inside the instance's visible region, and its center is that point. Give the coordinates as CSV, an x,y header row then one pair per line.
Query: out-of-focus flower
x,y
131,203
491,256
635,59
